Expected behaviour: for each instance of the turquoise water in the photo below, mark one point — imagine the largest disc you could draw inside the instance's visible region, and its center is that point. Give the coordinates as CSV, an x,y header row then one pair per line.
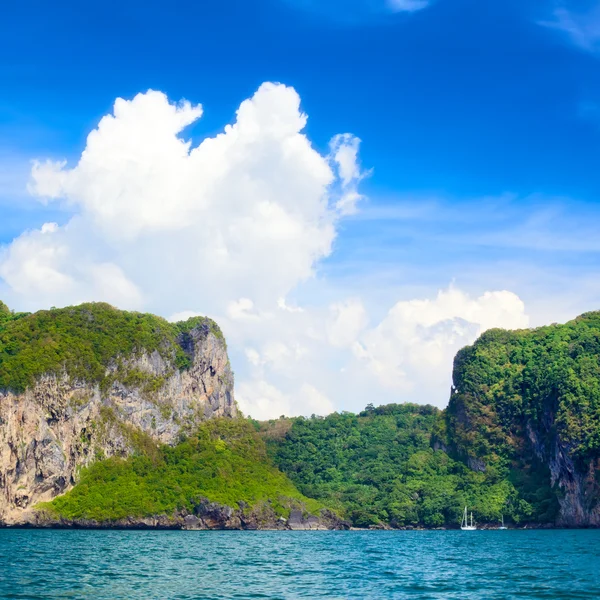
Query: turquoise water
x,y
221,565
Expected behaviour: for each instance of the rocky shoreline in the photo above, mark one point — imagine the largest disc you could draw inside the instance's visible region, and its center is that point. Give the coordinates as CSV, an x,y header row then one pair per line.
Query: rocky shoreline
x,y
211,516
206,515
166,523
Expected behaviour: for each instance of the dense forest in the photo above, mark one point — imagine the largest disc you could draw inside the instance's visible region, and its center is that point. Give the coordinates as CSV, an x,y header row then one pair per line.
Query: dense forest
x,y
547,379
526,405
381,468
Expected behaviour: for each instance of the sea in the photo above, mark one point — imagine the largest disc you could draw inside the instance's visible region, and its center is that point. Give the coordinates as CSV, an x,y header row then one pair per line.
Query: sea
x,y
48,564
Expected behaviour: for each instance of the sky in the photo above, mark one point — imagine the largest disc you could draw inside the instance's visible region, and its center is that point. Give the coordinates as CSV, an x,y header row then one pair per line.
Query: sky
x,y
353,189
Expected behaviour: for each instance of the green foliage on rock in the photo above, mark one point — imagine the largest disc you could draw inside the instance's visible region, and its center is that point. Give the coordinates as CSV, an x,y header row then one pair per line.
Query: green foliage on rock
x,y
84,341
522,398
6,315
547,378
225,462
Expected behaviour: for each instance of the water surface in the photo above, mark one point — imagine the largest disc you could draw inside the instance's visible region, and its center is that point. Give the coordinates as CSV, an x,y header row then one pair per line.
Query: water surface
x,y
103,565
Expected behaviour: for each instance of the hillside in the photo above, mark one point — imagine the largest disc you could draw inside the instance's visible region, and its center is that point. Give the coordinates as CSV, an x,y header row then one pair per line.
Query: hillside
x,y
113,418
91,343
219,477
379,468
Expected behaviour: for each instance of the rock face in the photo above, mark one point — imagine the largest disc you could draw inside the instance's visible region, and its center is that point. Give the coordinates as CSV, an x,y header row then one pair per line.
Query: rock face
x,y
577,481
58,426
535,445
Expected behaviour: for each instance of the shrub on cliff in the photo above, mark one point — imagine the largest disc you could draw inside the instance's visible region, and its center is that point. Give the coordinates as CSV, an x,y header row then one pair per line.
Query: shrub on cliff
x,y
226,462
512,384
83,341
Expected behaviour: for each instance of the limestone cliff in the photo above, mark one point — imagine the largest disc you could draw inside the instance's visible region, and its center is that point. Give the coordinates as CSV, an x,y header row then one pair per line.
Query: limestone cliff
x,y
62,422
527,404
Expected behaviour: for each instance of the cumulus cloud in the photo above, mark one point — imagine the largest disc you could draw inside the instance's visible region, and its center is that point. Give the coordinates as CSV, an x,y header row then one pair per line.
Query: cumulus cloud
x,y
405,356
264,401
51,266
246,214
347,320
232,228
414,345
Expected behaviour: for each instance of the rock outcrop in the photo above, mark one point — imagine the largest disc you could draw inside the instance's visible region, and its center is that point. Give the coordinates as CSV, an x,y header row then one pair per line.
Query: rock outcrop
x,y
528,402
59,425
577,481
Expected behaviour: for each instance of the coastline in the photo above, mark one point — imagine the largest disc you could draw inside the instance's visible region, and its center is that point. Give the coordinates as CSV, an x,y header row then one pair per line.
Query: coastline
x,y
165,523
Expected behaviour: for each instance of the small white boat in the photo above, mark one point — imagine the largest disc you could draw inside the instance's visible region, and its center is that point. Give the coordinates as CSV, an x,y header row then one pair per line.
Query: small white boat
x,y
502,527
464,524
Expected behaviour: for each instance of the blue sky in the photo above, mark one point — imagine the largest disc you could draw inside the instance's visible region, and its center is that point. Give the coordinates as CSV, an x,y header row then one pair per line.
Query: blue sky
x,y
472,98
480,130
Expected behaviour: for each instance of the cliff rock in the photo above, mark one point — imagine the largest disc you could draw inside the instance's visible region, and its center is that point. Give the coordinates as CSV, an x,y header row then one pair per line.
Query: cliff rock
x,y
60,424
527,404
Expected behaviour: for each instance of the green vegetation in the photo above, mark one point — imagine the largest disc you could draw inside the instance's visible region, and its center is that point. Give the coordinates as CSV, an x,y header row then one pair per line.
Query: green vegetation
x,y
520,399
521,395
4,312
83,341
547,378
379,468
226,462
6,315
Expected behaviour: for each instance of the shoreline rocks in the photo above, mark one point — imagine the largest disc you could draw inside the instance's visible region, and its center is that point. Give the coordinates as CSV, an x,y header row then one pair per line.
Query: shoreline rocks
x,y
206,516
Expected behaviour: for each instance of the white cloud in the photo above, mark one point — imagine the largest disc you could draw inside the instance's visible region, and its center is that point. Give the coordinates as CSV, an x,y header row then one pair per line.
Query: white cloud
x,y
246,214
283,305
407,5
344,153
412,349
344,150
582,28
264,401
53,266
347,320
233,228
241,309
